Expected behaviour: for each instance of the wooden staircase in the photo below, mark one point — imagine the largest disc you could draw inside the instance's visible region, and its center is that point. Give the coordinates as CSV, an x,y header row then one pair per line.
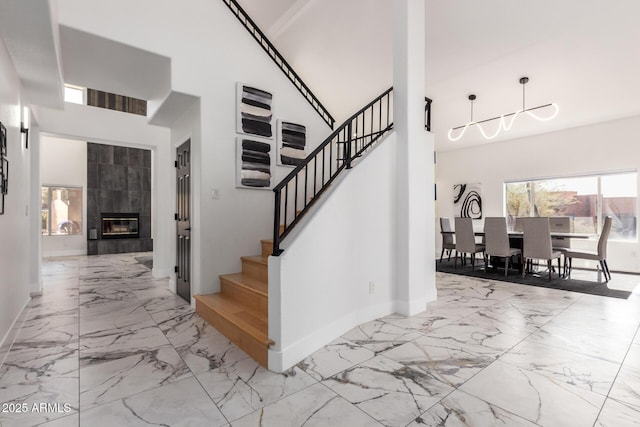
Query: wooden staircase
x,y
240,310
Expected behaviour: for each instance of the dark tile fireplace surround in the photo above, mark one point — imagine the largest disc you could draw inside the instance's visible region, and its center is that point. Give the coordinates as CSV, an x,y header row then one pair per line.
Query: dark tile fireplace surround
x,y
118,187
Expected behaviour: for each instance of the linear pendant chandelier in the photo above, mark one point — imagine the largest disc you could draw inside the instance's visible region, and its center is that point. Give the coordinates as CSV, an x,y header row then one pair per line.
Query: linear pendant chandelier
x,y
505,120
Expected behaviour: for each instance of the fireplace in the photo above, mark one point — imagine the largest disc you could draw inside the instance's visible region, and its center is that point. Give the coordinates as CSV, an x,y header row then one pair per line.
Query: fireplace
x,y
120,226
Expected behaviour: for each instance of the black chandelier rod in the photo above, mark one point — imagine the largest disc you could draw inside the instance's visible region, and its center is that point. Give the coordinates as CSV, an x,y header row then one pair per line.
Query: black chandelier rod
x,y
506,115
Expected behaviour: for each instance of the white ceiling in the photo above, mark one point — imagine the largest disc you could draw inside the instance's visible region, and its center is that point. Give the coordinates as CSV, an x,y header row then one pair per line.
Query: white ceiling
x,y
583,55
98,63
27,29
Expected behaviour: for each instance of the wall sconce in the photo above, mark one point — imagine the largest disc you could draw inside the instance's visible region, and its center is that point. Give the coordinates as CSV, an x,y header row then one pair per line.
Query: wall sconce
x,y
504,123
24,126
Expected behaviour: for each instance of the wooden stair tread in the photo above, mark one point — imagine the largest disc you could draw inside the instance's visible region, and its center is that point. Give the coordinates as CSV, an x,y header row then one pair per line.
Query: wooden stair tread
x,y
245,318
246,281
259,259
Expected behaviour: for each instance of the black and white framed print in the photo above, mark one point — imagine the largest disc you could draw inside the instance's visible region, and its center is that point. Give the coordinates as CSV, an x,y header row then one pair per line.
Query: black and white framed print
x,y
255,167
254,111
4,181
292,142
4,176
467,201
3,141
4,167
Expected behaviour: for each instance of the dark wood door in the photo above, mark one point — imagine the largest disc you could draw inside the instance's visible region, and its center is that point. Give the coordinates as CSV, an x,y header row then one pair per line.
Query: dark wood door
x,y
183,221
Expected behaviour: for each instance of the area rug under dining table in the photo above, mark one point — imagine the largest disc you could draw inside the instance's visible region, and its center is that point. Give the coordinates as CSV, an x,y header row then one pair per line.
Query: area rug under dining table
x,y
533,279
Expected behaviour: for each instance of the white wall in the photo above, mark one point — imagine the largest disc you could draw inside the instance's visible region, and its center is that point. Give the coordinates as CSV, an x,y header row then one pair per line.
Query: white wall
x,y
14,224
35,236
604,147
327,265
64,162
210,51
104,126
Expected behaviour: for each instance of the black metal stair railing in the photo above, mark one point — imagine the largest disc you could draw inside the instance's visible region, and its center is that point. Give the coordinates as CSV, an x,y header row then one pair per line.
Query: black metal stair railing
x,y
273,53
299,190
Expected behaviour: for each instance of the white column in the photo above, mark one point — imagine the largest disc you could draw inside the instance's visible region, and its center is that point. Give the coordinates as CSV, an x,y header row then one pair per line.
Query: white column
x,y
415,268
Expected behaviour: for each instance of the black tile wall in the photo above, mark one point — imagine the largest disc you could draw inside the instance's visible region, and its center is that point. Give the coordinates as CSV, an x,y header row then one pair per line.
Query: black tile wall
x,y
105,154
118,181
120,156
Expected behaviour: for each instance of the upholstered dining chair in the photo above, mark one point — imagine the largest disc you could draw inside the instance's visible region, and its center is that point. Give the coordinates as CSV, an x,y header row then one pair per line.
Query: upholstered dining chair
x,y
561,224
537,243
497,242
466,241
600,255
447,238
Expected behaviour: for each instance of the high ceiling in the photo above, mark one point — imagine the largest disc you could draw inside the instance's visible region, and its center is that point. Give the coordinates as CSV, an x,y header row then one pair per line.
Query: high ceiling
x,y
583,55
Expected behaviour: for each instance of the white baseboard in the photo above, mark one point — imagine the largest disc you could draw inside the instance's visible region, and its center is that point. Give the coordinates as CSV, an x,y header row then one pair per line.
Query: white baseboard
x,y
173,286
12,333
280,361
74,252
160,273
411,308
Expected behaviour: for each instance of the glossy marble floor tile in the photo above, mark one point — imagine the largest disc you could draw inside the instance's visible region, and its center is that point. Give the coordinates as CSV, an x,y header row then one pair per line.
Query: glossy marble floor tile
x,y
618,414
379,336
537,398
106,344
242,387
388,391
335,357
627,385
315,406
182,403
582,371
460,409
588,343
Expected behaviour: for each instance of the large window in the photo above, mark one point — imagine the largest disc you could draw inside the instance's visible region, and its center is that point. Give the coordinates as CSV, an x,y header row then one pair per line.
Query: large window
x,y
584,199
61,212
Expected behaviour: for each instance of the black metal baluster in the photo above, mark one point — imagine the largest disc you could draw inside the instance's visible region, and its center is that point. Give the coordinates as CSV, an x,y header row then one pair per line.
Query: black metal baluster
x,y
323,156
355,136
286,206
371,130
330,159
295,200
388,106
347,146
276,223
380,116
306,184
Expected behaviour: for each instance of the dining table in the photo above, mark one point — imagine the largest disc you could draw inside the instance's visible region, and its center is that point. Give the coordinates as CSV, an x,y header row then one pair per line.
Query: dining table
x,y
516,238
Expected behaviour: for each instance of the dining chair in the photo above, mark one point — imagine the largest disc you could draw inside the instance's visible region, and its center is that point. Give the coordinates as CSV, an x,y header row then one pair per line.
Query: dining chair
x,y
537,243
466,241
497,242
561,224
600,255
447,238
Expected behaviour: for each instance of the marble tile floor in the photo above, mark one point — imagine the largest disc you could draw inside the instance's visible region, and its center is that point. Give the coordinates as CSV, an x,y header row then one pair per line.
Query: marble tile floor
x,y
108,345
